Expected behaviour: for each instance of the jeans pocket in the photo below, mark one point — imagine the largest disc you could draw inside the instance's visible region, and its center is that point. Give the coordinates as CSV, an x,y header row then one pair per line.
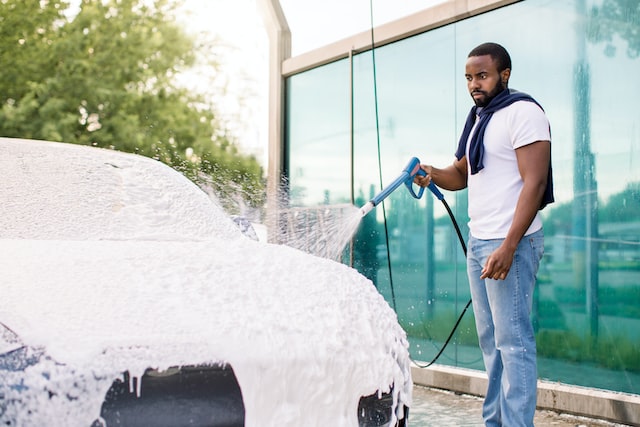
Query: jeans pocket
x,y
536,240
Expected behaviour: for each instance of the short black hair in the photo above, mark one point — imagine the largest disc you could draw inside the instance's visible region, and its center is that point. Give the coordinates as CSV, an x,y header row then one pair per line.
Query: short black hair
x,y
498,53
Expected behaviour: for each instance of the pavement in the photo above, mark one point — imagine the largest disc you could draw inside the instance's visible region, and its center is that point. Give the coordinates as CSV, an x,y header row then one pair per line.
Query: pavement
x,y
440,408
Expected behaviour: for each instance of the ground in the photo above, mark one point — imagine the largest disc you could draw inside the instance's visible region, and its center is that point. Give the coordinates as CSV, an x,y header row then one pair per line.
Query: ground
x,y
441,408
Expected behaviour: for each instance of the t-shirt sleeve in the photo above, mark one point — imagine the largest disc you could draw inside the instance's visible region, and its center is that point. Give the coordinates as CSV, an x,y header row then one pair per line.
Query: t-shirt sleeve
x,y
528,124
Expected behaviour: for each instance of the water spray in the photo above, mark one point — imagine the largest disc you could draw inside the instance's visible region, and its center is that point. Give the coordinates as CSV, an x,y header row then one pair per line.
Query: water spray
x,y
406,177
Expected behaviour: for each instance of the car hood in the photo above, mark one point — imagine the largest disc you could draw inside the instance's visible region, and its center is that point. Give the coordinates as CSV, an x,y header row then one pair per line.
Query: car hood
x,y
293,326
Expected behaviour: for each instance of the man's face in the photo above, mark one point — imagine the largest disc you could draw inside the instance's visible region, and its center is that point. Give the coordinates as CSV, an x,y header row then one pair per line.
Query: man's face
x,y
483,79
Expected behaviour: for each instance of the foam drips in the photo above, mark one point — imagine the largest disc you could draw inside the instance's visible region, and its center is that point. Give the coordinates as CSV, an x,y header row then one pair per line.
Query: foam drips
x,y
161,283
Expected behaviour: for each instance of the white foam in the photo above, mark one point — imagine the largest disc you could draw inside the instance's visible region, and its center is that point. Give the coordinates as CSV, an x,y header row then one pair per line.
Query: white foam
x,y
305,336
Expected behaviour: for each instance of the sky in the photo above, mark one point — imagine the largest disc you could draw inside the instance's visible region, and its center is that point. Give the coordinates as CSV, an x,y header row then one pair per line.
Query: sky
x,y
244,67
240,27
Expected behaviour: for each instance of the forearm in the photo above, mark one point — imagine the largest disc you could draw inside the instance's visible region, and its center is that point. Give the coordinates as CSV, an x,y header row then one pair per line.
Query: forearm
x,y
526,210
533,161
452,177
448,178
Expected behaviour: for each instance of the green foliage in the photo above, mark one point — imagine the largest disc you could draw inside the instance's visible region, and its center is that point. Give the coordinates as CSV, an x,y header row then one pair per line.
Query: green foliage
x,y
616,18
614,353
623,301
620,207
107,78
623,206
549,316
439,328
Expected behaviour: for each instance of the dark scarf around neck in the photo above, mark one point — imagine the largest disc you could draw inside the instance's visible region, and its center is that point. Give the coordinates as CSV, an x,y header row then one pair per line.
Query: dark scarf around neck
x,y
476,144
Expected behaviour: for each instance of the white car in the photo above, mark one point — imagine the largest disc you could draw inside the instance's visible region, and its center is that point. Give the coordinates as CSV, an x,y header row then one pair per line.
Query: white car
x,y
128,297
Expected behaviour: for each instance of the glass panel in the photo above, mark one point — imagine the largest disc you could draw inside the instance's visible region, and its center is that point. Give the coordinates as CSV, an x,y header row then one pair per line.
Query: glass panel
x,y
586,304
426,284
580,60
318,133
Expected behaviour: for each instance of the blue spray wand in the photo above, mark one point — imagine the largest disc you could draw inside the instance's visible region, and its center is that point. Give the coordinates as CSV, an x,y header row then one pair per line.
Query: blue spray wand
x,y
408,173
406,177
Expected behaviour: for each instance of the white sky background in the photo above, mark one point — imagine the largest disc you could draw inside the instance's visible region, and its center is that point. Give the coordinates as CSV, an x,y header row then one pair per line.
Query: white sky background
x,y
239,26
244,50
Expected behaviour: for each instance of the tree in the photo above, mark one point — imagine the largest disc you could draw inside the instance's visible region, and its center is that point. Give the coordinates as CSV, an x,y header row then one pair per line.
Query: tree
x,y
106,77
616,17
623,206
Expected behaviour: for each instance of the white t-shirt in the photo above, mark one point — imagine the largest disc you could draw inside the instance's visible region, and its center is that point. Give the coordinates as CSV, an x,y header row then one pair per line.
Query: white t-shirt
x,y
494,190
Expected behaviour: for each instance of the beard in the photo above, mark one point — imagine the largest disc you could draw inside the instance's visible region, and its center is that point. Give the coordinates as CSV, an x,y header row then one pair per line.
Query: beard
x,y
488,96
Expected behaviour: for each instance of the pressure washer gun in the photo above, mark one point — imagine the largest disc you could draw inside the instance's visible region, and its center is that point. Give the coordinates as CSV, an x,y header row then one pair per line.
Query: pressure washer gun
x,y
408,173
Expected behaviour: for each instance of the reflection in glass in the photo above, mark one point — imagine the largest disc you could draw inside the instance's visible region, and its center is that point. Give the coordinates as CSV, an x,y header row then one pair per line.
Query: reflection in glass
x,y
580,59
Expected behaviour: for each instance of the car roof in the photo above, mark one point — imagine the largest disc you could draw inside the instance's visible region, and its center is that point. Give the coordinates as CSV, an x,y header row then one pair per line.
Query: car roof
x,y
72,192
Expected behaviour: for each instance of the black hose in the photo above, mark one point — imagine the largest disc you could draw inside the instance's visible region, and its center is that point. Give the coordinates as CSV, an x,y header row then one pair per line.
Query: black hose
x,y
455,225
384,213
455,327
375,102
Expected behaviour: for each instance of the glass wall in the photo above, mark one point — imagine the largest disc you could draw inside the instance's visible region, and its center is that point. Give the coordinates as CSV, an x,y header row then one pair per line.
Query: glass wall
x,y
580,60
318,111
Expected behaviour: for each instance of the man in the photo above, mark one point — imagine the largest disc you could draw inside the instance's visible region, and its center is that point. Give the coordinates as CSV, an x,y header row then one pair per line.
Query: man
x,y
504,158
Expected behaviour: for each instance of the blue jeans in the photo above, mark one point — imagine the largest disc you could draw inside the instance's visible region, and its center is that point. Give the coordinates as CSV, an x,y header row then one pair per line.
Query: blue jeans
x,y
502,310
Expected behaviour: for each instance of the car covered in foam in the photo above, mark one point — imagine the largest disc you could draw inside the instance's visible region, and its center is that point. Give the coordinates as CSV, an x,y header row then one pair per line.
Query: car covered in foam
x,y
129,297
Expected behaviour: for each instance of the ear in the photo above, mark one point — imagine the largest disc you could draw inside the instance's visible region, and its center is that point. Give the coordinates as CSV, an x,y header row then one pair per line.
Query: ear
x,y
504,75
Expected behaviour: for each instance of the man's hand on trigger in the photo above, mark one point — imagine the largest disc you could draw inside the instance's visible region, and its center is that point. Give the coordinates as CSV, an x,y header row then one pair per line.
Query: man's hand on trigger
x,y
423,181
